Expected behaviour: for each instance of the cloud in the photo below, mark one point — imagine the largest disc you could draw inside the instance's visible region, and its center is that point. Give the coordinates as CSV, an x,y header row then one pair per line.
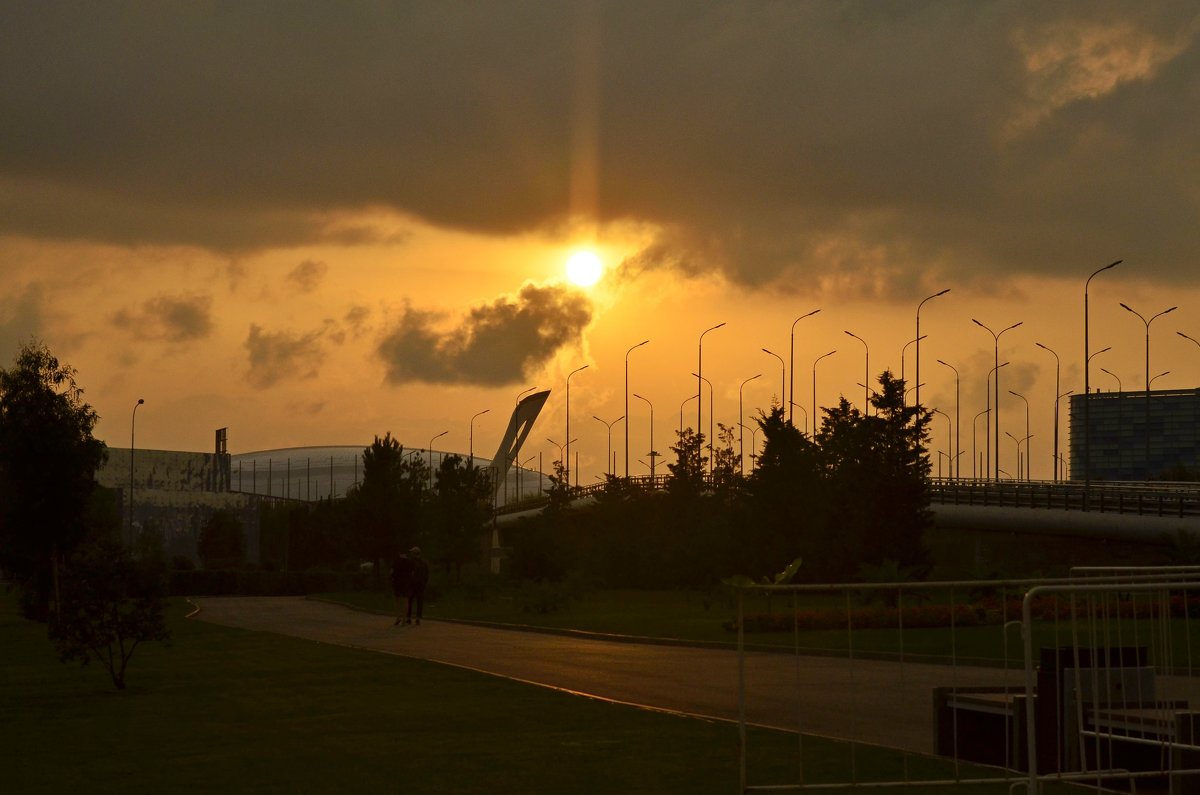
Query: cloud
x,y
168,318
21,319
307,275
499,343
973,139
276,356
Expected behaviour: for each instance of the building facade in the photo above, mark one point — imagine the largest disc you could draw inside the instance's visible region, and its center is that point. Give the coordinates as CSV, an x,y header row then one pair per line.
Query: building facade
x,y
1134,435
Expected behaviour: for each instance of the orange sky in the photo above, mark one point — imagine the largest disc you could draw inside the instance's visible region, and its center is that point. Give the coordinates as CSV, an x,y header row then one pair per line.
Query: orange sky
x,y
319,231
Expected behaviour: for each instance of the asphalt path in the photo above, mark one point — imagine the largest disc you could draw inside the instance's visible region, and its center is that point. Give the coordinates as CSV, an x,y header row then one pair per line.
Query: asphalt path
x,y
870,701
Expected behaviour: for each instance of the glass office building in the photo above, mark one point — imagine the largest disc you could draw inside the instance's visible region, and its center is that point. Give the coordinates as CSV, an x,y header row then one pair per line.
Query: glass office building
x,y
1134,437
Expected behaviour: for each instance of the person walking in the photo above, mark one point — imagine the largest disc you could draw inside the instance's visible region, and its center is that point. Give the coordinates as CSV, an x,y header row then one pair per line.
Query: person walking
x,y
402,579
417,582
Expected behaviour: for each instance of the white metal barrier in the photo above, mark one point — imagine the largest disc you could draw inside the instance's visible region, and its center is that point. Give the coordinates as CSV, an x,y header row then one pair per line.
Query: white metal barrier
x,y
1111,657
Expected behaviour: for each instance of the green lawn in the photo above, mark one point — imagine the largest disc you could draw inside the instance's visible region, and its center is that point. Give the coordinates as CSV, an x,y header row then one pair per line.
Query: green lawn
x,y
225,710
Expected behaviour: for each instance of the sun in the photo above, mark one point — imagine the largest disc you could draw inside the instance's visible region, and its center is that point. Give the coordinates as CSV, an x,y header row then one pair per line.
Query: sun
x,y
584,268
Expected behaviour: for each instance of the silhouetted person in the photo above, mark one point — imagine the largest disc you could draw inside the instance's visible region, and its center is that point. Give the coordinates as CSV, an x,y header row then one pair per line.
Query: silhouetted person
x,y
402,580
417,583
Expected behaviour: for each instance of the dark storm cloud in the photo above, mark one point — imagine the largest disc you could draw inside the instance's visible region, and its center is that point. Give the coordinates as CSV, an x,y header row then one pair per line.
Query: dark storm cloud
x,y
817,145
495,344
168,318
283,355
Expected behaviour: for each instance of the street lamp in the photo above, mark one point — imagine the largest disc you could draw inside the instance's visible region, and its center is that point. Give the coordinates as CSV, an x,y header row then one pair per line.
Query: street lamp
x,y
1160,375
782,374
1116,377
430,449
132,426
866,373
567,454
653,453
975,462
803,410
917,400
1148,379
710,420
700,377
753,442
471,436
1087,388
996,355
1059,464
1057,386
792,365
904,350
815,412
950,435
741,416
681,405
608,454
957,462
988,393
631,350
1028,447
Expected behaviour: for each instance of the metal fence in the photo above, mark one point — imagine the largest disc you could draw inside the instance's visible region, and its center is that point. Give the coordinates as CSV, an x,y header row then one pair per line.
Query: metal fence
x,y
1099,688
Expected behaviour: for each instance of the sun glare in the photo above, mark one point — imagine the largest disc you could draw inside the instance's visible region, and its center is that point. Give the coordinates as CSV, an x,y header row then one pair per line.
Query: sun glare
x,y
584,268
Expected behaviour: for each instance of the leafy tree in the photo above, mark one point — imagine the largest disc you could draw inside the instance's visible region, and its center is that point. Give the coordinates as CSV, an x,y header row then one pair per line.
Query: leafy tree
x,y
786,498
687,472
876,470
461,506
222,543
111,604
388,503
48,461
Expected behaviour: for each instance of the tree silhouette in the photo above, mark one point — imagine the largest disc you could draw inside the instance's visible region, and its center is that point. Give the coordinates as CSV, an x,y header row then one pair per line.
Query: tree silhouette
x,y
388,503
48,461
461,506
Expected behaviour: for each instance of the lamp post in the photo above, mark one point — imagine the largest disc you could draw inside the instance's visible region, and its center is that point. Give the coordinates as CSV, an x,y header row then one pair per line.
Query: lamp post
x,y
471,435
608,453
1029,445
710,420
866,373
753,443
1057,386
653,453
681,405
988,437
631,350
996,355
956,462
741,415
975,462
1087,388
430,449
792,365
700,377
567,454
803,410
782,375
132,427
950,435
1019,463
1148,379
1059,464
1116,378
904,351
1190,339
917,400
815,412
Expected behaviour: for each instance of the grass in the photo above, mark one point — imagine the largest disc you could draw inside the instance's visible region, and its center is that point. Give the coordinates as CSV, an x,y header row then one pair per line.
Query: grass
x,y
225,710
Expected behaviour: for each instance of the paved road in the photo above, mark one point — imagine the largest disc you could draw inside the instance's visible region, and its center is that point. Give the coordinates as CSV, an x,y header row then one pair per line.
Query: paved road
x,y
865,700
